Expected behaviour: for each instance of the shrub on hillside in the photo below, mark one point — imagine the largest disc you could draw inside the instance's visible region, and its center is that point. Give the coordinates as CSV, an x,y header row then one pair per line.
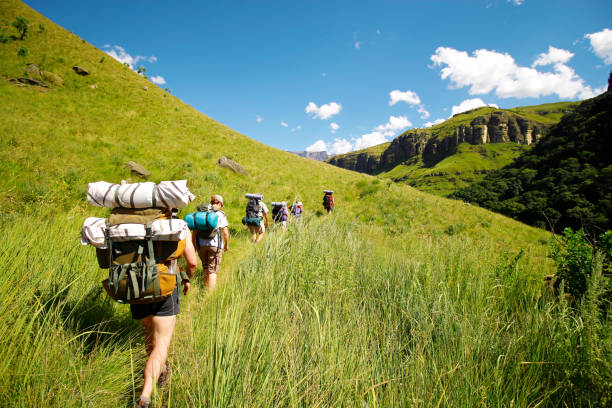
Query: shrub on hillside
x,y
21,24
575,257
23,51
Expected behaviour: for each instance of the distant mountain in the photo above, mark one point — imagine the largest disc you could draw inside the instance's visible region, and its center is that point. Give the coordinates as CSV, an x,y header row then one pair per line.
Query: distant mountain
x,y
564,181
320,156
459,151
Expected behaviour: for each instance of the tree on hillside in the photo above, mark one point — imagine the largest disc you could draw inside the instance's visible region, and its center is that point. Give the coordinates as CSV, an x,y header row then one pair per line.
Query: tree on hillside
x,y
21,24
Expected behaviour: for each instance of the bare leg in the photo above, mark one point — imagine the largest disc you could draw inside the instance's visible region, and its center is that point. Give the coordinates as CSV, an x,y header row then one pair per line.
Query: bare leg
x,y
158,333
259,237
211,281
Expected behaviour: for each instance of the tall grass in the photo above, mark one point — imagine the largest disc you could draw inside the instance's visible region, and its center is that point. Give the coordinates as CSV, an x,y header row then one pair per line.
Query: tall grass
x,y
325,314
321,316
61,343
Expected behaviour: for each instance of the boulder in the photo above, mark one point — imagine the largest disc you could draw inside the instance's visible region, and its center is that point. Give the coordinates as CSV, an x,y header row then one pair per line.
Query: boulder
x,y
138,170
52,78
232,165
33,71
80,70
29,81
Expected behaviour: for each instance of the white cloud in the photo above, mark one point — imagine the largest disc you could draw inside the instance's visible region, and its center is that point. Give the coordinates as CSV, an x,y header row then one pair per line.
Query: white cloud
x,y
517,2
119,53
159,80
486,71
379,135
424,113
295,129
333,127
470,104
369,139
340,146
358,45
602,44
283,124
409,97
318,146
324,111
394,124
258,119
433,123
553,56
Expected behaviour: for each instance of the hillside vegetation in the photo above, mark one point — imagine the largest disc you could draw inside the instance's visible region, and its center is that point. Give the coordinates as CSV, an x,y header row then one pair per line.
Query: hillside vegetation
x,y
399,298
459,151
564,181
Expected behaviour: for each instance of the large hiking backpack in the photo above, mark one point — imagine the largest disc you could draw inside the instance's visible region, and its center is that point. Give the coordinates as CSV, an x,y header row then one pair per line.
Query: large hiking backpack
x,y
278,212
327,200
140,248
142,270
253,210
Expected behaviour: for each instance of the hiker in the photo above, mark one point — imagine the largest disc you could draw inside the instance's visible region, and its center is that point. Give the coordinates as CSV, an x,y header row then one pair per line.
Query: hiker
x,y
280,213
256,217
328,201
210,246
158,320
297,209
140,244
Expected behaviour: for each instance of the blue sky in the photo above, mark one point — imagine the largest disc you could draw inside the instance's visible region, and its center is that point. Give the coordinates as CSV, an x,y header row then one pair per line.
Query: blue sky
x,y
342,75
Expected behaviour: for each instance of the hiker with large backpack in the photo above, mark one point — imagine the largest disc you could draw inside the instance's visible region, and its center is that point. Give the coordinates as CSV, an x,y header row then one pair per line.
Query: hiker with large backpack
x,y
140,244
328,201
256,217
208,225
280,213
297,209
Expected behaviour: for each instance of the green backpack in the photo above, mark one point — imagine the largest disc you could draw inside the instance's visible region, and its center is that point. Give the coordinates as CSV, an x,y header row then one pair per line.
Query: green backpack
x,y
140,271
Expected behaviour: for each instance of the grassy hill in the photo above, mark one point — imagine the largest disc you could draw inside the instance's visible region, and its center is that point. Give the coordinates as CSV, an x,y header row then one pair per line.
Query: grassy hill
x,y
399,298
467,163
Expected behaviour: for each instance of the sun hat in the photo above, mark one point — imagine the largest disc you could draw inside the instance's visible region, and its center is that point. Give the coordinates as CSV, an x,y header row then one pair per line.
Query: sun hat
x,y
218,198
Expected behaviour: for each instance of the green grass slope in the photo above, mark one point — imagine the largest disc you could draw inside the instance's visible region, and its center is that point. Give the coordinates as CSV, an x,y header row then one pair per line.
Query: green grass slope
x,y
469,164
399,298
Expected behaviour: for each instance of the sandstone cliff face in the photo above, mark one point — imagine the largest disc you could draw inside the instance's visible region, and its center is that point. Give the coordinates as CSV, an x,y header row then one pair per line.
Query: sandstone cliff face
x,y
361,162
497,127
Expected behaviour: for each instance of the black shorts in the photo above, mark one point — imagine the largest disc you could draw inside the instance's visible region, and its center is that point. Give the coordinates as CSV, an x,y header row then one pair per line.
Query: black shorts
x,y
167,307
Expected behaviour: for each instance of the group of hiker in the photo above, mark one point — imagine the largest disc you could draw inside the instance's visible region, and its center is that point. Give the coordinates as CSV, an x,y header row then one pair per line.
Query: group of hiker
x,y
142,240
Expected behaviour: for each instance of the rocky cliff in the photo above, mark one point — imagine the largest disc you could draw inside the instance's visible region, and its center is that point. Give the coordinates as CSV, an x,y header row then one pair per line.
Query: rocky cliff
x,y
361,162
496,127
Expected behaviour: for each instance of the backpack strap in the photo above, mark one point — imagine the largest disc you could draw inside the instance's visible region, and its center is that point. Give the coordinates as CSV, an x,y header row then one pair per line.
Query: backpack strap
x,y
152,274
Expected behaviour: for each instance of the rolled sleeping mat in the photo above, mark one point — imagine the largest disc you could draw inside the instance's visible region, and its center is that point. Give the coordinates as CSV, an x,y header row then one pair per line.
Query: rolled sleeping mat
x,y
255,196
328,191
278,203
167,194
202,221
94,231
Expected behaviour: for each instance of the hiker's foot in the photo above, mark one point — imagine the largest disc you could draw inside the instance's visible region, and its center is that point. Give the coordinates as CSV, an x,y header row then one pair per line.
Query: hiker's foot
x,y
163,377
143,402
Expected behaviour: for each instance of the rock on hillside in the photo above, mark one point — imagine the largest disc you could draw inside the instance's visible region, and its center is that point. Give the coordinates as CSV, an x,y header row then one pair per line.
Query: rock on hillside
x,y
496,127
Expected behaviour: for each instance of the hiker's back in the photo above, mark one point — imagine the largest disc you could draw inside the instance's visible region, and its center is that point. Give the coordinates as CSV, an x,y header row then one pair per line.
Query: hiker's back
x,y
140,244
